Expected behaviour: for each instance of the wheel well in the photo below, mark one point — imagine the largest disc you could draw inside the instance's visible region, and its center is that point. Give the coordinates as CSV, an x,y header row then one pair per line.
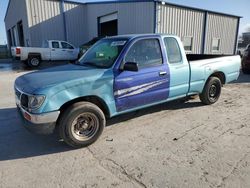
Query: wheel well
x,y
34,55
92,99
221,76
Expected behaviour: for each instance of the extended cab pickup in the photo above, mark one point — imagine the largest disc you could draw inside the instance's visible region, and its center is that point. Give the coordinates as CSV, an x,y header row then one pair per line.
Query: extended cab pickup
x,y
51,50
115,76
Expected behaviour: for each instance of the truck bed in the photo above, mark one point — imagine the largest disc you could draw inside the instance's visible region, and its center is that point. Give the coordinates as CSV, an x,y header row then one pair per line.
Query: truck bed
x,y
202,66
197,57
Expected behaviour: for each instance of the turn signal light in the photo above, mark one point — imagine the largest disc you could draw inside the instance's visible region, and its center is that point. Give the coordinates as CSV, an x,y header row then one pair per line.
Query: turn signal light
x,y
27,116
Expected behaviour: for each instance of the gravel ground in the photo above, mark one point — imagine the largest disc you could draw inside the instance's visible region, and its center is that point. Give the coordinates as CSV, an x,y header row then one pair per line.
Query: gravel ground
x,y
169,145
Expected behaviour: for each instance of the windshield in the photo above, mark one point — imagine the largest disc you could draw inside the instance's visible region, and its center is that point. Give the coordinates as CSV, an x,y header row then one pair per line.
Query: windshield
x,y
104,53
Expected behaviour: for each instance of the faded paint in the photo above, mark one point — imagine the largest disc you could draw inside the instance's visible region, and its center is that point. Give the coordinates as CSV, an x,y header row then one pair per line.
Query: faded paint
x,y
73,81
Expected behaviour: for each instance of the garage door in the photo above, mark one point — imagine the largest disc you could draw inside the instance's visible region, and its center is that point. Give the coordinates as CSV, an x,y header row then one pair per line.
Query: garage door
x,y
108,25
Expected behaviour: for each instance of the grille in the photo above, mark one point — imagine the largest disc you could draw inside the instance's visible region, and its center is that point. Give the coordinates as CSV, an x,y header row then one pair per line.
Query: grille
x,y
18,94
24,100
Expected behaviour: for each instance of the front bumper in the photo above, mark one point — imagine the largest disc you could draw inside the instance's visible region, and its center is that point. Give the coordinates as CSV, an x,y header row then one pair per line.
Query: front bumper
x,y
39,123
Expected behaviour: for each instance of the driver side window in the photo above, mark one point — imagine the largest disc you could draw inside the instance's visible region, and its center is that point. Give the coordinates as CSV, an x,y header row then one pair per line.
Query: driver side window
x,y
146,53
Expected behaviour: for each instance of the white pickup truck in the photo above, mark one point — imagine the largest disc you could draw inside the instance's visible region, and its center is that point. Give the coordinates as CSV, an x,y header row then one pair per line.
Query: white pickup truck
x,y
51,50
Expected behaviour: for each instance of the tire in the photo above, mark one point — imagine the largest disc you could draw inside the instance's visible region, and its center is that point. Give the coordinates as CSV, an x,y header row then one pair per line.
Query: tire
x,y
211,92
34,61
75,124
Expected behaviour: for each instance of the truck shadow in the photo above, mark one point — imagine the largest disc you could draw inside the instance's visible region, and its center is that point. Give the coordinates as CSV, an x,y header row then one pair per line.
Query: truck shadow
x,y
174,105
244,78
17,143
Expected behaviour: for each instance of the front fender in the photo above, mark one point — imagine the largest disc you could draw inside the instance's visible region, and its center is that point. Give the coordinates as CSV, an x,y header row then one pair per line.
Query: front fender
x,y
60,94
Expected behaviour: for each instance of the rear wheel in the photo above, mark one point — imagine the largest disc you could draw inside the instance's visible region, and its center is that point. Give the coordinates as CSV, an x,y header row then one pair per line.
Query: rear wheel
x,y
34,61
211,92
81,124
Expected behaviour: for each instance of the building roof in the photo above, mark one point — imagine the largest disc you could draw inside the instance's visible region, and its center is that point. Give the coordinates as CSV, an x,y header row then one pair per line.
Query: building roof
x,y
136,1
159,1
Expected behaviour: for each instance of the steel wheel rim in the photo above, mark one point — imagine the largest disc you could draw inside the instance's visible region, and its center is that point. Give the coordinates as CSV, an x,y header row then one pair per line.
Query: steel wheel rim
x,y
85,126
34,61
213,92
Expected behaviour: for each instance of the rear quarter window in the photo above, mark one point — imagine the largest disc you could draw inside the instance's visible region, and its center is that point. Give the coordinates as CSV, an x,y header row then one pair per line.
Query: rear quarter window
x,y
173,50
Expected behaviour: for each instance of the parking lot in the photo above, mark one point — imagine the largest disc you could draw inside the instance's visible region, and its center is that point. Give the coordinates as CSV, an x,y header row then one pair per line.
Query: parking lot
x,y
171,145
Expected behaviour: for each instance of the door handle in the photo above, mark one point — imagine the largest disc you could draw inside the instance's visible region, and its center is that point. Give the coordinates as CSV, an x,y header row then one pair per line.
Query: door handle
x,y
162,73
53,50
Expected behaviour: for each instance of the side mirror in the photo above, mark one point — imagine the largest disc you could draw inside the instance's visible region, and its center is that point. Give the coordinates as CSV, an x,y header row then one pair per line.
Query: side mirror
x,y
131,66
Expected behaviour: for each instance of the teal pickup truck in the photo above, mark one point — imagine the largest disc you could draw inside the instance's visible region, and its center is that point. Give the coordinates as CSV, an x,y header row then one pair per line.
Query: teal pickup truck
x,y
118,75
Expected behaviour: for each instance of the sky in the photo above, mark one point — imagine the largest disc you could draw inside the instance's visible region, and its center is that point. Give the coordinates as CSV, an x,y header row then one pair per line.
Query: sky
x,y
236,7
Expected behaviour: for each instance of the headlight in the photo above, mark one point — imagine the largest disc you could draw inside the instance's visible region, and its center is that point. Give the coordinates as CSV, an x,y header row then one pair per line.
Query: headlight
x,y
35,101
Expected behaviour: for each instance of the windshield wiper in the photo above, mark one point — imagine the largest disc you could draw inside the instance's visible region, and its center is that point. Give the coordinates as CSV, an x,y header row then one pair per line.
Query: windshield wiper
x,y
84,63
77,62
92,64
88,64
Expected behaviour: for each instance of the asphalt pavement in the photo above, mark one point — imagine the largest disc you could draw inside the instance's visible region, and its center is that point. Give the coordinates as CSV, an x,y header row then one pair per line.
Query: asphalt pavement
x,y
170,145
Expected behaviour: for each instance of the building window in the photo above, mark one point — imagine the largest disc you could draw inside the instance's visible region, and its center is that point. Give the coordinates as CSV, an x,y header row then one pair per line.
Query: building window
x,y
188,43
216,45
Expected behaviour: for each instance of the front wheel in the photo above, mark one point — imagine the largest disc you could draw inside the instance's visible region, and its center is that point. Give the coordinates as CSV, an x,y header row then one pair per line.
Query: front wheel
x,y
211,92
81,124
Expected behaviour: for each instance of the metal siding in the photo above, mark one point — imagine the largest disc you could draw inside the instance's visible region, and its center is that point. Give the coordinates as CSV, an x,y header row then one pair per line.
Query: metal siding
x,y
133,17
75,17
45,21
181,22
16,12
224,28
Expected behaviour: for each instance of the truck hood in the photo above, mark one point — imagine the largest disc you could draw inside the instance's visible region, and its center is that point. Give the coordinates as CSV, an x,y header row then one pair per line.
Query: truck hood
x,y
32,82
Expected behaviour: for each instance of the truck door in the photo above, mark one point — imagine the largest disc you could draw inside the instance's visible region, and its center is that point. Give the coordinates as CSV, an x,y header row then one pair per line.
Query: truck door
x,y
179,68
56,51
69,51
150,84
